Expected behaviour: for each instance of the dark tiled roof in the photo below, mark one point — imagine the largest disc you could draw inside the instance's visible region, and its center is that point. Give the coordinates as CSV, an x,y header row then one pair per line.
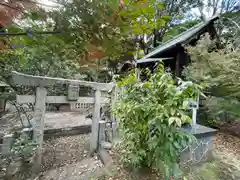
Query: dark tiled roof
x,y
181,38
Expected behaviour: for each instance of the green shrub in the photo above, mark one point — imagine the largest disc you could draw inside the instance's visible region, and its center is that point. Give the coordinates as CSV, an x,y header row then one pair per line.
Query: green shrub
x,y
219,69
149,115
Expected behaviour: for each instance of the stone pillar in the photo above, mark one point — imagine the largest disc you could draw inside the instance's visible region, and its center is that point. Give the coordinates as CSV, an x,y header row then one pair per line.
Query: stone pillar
x,y
109,132
113,118
7,144
95,122
38,126
114,129
101,134
2,105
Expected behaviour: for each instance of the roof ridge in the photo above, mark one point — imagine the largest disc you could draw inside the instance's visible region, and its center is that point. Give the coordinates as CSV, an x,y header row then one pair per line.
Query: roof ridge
x,y
195,26
179,37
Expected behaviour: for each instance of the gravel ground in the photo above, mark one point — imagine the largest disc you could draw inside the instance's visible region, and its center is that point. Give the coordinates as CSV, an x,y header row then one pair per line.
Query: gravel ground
x,y
227,163
67,158
8,121
87,169
227,150
65,119
65,150
52,120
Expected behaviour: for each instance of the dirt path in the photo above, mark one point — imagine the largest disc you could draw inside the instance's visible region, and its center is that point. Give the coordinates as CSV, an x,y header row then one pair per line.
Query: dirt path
x,y
67,158
52,120
227,149
226,166
65,119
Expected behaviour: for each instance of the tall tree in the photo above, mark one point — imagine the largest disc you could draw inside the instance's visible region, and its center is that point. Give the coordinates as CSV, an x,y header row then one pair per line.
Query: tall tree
x,y
162,16
220,71
229,13
209,8
12,9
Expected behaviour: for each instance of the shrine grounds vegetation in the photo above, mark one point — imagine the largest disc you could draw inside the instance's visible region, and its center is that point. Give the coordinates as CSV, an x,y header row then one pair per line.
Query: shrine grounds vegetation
x,y
219,69
150,114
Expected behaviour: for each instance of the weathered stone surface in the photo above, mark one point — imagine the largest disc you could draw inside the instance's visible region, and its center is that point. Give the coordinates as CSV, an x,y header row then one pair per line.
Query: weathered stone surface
x,y
199,130
105,157
7,144
106,145
201,150
95,121
73,92
101,134
24,79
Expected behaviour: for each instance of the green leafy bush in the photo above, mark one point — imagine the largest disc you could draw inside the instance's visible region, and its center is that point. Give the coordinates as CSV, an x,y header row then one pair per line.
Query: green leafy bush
x,y
24,148
150,114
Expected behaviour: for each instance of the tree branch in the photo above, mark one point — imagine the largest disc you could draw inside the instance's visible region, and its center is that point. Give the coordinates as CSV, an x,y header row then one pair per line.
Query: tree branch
x,y
9,6
25,33
36,3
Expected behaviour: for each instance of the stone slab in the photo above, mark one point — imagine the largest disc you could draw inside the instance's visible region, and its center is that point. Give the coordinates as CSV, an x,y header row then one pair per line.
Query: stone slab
x,y
199,130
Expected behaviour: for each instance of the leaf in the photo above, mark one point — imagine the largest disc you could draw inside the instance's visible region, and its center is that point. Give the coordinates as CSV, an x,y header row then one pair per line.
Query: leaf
x,y
173,111
147,84
176,145
167,17
171,120
178,122
160,6
186,104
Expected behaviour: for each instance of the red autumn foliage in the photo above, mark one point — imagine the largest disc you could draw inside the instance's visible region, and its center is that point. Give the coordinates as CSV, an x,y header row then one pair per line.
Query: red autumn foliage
x,y
11,9
94,52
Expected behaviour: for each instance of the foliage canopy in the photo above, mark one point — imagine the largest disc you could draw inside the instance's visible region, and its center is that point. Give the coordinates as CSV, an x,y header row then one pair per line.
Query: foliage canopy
x,y
220,71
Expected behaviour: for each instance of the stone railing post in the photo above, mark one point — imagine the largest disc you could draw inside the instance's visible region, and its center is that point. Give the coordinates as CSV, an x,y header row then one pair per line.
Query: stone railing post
x,y
102,127
113,100
7,144
38,126
95,122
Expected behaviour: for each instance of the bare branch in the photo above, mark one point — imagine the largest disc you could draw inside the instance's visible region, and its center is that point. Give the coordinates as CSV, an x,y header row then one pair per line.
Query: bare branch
x,y
36,3
9,6
234,22
25,33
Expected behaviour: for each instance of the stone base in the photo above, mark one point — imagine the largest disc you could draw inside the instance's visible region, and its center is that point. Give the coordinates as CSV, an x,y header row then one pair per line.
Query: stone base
x,y
201,150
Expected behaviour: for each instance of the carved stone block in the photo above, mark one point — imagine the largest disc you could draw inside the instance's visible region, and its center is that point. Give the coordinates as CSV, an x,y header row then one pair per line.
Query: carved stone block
x,y
200,150
73,92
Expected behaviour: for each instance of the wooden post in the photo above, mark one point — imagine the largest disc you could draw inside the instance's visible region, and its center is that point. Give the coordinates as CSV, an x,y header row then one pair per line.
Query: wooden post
x,y
38,126
177,66
95,122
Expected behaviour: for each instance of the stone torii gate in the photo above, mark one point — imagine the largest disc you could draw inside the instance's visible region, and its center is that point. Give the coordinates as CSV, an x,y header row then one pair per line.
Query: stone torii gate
x,y
41,95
